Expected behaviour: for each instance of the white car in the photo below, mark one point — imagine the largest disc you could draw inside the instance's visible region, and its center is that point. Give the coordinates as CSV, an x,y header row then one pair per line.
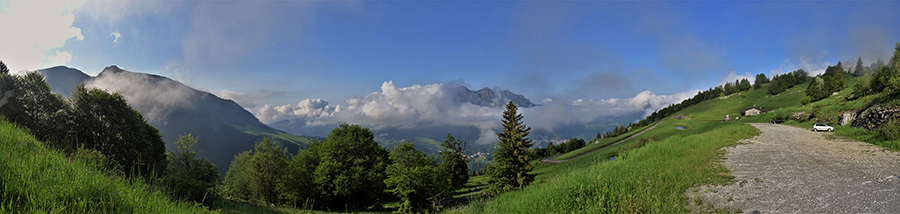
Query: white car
x,y
822,127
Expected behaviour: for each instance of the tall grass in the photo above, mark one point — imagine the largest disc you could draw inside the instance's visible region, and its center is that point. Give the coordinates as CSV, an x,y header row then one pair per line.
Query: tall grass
x,y
650,179
36,179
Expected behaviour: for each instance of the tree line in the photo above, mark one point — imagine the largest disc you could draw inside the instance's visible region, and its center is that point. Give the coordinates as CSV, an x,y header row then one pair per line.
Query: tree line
x,y
825,84
350,171
571,145
346,171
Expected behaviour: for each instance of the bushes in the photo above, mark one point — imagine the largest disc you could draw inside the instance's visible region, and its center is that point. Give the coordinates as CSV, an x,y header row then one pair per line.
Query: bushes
x,y
571,145
890,130
805,100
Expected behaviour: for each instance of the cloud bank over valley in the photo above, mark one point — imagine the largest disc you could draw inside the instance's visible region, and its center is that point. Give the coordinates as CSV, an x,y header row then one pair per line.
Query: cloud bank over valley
x,y
444,104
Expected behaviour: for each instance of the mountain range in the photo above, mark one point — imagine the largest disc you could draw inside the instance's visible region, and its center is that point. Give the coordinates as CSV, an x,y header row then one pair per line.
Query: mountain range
x,y
222,127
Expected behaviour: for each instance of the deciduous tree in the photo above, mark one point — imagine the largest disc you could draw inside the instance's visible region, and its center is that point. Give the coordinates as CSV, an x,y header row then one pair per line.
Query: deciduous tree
x,y
416,178
188,177
104,122
351,168
453,161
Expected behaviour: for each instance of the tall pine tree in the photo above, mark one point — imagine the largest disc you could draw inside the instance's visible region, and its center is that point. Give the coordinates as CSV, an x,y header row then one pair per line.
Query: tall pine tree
x,y
511,164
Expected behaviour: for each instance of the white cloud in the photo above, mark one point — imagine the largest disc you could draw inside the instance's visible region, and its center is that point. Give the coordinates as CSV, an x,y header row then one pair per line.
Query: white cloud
x,y
433,105
645,101
60,58
33,31
153,98
732,77
246,100
812,66
117,37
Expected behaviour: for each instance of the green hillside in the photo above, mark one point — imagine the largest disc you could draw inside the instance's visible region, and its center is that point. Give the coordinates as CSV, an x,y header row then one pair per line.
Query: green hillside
x,y
652,171
36,179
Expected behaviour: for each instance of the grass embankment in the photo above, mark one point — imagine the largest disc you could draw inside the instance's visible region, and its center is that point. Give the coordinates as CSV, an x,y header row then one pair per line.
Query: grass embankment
x,y
36,179
597,143
652,178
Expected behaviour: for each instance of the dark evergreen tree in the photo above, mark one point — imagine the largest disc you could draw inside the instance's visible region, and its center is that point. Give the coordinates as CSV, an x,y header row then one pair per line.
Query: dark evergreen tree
x,y
745,85
511,163
860,70
3,68
816,89
760,79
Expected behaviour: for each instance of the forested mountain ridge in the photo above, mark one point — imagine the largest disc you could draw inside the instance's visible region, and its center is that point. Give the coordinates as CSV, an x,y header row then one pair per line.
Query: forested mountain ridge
x,y
222,127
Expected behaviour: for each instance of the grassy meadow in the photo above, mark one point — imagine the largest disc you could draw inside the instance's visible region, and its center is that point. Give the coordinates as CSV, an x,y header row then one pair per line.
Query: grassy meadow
x,y
36,179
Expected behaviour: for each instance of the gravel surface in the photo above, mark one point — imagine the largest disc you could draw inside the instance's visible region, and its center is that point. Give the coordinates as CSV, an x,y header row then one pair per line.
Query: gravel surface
x,y
788,169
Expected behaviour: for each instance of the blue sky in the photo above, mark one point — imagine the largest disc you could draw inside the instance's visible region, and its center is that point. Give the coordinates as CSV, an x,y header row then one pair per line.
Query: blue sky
x,y
282,52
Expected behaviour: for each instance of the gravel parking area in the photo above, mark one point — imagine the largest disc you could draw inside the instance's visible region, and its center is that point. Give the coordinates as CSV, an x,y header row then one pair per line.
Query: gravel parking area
x,y
788,169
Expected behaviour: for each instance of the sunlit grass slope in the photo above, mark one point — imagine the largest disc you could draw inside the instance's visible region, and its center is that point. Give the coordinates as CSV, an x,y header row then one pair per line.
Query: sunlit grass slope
x,y
35,179
652,178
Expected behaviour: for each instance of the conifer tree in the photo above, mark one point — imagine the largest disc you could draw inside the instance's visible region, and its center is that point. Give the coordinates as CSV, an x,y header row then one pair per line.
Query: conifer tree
x,y
859,67
3,68
511,164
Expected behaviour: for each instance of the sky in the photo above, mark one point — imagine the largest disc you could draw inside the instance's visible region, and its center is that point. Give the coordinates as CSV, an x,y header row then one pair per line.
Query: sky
x,y
295,55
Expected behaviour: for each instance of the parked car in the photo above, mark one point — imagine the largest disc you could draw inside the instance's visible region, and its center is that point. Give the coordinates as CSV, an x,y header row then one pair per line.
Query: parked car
x,y
822,127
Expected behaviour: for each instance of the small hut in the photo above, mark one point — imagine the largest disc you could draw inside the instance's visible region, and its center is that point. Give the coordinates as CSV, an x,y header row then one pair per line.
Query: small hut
x,y
752,111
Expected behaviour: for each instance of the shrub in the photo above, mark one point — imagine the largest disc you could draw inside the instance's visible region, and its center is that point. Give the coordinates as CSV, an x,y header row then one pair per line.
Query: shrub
x,y
92,157
891,129
640,143
805,100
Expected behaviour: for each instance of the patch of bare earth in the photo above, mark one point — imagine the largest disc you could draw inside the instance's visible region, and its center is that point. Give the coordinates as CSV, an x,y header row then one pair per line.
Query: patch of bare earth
x,y
788,169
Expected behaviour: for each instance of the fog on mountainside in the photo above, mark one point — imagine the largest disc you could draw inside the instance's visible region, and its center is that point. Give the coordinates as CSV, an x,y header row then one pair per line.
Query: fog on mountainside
x,y
222,127
426,113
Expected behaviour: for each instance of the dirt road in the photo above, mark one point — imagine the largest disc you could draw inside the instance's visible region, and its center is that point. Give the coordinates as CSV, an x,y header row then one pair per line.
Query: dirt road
x,y
789,169
551,160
